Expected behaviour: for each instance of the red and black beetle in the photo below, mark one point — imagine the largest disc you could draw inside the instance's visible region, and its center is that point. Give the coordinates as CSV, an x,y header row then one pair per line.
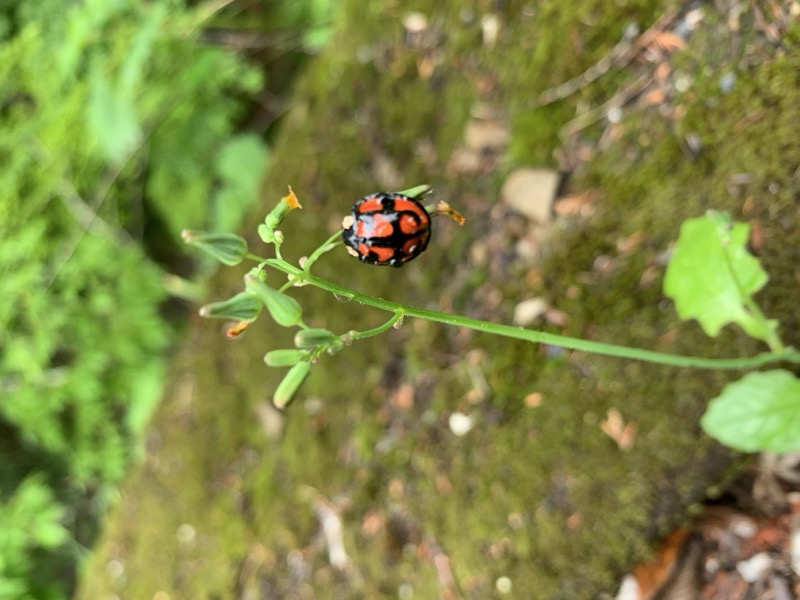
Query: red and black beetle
x,y
388,228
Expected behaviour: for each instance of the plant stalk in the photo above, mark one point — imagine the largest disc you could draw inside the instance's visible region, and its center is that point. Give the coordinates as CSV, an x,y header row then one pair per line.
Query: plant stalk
x,y
541,337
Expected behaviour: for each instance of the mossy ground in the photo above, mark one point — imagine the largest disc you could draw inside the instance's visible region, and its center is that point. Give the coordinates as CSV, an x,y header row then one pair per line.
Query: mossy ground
x,y
536,494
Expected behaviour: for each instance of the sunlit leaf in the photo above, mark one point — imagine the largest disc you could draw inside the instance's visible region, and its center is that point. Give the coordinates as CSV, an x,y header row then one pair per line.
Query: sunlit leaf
x,y
240,166
111,115
712,276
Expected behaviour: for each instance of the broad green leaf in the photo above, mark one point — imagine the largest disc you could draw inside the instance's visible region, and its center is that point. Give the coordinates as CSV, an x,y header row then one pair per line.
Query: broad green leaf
x,y
711,276
111,116
240,167
760,412
317,33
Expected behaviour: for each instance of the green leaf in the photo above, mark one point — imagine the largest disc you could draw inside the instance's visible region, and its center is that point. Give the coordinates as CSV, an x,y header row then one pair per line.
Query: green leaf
x,y
712,277
760,412
417,191
241,165
111,116
317,32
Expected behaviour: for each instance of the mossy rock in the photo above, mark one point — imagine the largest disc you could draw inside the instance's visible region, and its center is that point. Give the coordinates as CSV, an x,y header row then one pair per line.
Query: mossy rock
x,y
227,501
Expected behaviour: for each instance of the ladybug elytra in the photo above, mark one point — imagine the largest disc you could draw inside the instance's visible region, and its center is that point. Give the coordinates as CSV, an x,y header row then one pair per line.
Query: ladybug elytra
x,y
388,228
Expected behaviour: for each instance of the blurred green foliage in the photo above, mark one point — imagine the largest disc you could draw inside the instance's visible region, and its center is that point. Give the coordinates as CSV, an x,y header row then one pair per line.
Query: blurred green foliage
x,y
30,524
116,126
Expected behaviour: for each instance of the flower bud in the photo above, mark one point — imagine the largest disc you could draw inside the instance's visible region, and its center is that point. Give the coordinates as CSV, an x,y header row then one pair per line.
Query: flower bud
x,y
244,306
227,248
287,203
311,338
238,329
284,358
291,382
266,234
284,309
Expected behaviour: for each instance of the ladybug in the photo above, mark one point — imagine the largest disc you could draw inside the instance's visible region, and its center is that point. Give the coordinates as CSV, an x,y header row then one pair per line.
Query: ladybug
x,y
388,228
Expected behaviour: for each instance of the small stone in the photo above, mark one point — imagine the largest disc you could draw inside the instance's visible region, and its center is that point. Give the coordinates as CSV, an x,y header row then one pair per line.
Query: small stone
x,y
794,545
683,83
503,585
532,192
115,569
483,135
629,590
460,424
464,160
490,28
415,22
186,534
614,115
744,528
726,82
527,311
754,567
534,400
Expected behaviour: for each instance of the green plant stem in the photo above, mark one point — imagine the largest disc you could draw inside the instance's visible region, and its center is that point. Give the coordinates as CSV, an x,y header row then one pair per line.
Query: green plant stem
x,y
541,337
329,244
360,335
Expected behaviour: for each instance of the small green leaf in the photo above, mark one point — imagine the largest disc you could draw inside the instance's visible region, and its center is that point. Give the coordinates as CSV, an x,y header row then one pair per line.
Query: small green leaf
x,y
711,276
416,191
314,40
759,412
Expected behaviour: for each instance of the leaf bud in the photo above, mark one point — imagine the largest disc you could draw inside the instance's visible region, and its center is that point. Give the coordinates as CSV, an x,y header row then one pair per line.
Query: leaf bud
x,y
244,306
276,215
312,338
284,309
284,358
291,382
227,248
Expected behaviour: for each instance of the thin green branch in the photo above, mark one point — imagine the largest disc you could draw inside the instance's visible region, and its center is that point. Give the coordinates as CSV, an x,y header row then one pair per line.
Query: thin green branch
x,y
360,335
329,244
529,335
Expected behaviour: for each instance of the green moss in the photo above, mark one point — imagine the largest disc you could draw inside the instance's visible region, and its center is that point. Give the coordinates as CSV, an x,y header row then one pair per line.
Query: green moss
x,y
538,494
